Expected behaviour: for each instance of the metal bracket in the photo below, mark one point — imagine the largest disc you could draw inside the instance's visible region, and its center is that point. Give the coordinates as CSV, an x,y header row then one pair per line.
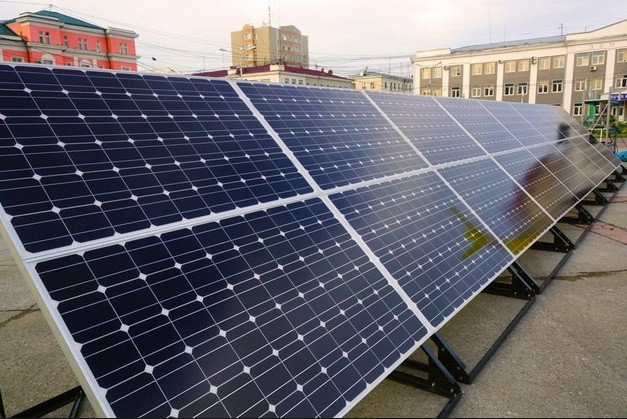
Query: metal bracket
x,y
599,199
618,177
583,216
609,187
522,284
450,360
74,396
561,243
438,381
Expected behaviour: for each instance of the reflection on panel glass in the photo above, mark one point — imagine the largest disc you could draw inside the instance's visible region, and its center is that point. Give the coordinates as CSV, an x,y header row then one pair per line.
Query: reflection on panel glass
x,y
501,204
581,159
337,135
430,129
278,313
545,120
539,182
481,124
563,169
522,129
595,154
435,248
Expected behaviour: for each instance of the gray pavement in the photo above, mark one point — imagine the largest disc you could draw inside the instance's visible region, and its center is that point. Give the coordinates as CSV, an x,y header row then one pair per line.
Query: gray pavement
x,y
567,357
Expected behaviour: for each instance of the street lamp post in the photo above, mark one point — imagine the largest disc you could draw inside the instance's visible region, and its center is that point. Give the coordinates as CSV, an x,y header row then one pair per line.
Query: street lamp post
x,y
241,58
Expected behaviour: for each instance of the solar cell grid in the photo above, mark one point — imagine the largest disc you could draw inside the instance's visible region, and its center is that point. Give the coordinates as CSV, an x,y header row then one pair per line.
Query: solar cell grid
x,y
481,124
521,129
595,154
539,182
276,313
545,120
93,158
581,159
516,219
435,248
429,128
337,135
576,126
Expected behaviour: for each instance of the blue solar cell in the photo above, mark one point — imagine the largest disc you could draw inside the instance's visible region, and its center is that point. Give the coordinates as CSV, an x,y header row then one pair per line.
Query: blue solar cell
x,y
95,158
431,130
582,159
337,135
273,313
435,248
488,131
516,219
551,125
522,129
595,154
539,182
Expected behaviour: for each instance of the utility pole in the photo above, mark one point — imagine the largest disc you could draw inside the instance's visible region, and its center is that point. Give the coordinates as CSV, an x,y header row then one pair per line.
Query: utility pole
x,y
561,28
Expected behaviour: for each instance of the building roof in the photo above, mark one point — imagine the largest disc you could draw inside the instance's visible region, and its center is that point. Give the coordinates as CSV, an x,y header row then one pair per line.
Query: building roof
x,y
514,43
267,68
378,74
64,19
5,30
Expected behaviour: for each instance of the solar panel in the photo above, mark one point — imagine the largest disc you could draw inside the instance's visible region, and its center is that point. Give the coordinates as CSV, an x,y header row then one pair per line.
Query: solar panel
x,y
271,313
96,153
574,179
337,135
539,182
507,210
577,127
544,119
437,250
520,128
596,155
581,160
428,126
481,124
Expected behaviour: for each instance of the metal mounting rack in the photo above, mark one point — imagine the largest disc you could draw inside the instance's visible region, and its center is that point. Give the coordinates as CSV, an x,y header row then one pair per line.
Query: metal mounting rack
x,y
73,396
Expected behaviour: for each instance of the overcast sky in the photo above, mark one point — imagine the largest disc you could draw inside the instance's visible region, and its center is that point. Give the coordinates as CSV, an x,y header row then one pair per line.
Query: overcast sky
x,y
344,35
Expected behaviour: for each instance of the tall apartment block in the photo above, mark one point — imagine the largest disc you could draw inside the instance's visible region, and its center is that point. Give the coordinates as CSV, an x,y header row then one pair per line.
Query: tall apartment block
x,y
53,38
561,70
257,46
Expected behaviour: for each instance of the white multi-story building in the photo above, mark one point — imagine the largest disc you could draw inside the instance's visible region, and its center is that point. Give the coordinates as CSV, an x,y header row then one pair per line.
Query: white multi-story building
x,y
561,70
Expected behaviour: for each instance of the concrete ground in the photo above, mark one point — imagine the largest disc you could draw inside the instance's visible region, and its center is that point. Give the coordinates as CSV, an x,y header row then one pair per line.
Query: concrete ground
x,y
566,357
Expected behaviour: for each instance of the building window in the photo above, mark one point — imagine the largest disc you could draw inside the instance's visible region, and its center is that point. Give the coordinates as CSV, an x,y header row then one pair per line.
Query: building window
x,y
475,92
557,86
582,59
477,69
98,46
69,63
426,73
522,89
577,107
300,82
425,92
287,81
509,90
621,56
510,66
488,91
65,41
598,58
455,92
558,62
544,63
437,72
543,86
581,85
17,59
523,65
125,68
385,85
123,48
293,81
437,92
490,68
456,71
596,83
621,81
372,85
82,43
44,37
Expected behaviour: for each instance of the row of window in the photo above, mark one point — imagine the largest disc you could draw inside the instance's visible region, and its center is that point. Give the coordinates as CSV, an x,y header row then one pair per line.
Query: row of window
x,y
300,82
290,37
82,43
392,86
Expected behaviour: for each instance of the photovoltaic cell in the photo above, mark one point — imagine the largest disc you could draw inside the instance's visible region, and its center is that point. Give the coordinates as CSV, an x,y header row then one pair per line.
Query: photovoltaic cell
x,y
596,155
539,182
581,160
435,248
276,313
577,127
574,179
95,153
544,119
521,129
506,209
337,135
481,124
430,129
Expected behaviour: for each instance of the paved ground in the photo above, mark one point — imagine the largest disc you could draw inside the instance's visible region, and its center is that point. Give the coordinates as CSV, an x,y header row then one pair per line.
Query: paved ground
x,y
567,357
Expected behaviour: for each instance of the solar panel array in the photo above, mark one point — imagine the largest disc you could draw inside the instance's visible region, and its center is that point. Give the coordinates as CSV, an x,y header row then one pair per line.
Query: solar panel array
x,y
207,247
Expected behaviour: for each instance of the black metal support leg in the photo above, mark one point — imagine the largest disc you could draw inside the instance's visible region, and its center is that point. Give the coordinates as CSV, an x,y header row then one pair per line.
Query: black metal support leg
x,y
561,243
450,360
438,381
74,396
609,187
597,199
582,217
522,285
618,176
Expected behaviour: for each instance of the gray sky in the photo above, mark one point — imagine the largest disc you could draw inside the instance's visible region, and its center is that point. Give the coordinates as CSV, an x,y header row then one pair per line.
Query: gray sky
x,y
344,35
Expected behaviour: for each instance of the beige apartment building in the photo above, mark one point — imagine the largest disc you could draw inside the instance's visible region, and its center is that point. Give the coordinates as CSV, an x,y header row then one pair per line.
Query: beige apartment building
x,y
256,46
564,70
371,80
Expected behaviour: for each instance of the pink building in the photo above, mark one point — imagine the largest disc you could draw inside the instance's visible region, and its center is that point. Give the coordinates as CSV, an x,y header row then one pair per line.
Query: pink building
x,y
52,38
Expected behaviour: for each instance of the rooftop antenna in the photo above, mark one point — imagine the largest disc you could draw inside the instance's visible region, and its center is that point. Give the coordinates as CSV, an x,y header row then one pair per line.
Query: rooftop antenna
x,y
269,15
561,28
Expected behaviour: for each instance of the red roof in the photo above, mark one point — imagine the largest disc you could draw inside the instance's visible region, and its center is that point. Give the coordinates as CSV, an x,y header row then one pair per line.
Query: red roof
x,y
266,68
